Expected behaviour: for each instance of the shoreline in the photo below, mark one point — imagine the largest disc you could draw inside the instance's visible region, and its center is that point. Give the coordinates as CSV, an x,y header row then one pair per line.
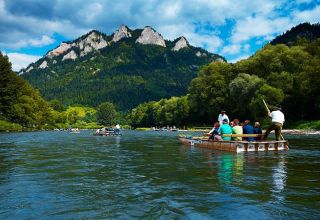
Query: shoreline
x,y
284,131
300,131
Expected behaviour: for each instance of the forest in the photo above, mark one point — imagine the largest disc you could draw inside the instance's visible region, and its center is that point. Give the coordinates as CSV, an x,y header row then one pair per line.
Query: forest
x,y
281,75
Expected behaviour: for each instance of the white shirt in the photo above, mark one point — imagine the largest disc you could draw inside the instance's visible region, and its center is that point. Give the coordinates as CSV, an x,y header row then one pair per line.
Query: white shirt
x,y
221,117
117,126
277,116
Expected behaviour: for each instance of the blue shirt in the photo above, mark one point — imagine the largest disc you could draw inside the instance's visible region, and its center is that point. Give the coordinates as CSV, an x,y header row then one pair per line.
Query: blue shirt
x,y
248,129
257,130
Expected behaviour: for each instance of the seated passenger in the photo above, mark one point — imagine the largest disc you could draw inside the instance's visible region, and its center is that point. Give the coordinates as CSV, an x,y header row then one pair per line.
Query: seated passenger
x,y
248,129
236,129
225,128
258,130
117,129
214,131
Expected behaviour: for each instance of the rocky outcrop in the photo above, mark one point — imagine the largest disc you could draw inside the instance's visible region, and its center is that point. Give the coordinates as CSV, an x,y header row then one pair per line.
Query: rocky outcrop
x,y
150,36
29,69
199,54
181,43
94,41
43,65
59,50
122,32
70,56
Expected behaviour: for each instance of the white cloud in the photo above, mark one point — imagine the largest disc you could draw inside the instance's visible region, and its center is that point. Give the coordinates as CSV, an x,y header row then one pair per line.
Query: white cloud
x,y
171,10
45,40
20,60
246,47
91,12
210,42
231,49
22,43
259,27
312,15
239,58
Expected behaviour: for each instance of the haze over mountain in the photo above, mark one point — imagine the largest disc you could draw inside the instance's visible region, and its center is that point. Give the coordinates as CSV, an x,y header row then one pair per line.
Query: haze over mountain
x,y
127,67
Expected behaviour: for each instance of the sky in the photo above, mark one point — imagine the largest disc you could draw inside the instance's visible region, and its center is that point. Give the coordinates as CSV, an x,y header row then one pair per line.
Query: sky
x,y
235,29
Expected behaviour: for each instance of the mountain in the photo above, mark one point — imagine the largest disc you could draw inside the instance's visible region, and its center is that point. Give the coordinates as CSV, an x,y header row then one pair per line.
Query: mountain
x,y
127,68
304,30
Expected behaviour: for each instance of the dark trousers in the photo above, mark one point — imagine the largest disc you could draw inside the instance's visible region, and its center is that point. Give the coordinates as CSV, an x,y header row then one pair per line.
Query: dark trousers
x,y
277,127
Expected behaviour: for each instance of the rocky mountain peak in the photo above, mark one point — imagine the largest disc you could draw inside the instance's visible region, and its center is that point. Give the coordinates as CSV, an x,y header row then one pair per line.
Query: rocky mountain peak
x,y
70,56
93,41
63,47
122,32
181,43
150,36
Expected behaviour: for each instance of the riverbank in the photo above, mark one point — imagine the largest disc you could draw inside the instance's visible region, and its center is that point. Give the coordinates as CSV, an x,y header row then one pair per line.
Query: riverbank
x,y
299,127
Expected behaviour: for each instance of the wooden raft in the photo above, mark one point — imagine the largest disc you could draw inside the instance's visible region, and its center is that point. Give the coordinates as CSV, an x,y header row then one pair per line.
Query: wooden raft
x,y
236,146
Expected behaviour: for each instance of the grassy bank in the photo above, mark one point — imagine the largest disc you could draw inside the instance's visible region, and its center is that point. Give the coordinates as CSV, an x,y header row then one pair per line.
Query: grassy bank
x,y
6,126
303,125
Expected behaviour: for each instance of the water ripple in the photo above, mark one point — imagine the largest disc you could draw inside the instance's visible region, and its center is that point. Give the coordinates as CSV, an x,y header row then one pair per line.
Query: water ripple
x,y
149,175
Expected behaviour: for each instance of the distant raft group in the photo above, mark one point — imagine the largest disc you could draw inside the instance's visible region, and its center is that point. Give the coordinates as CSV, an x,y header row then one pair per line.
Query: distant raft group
x,y
115,131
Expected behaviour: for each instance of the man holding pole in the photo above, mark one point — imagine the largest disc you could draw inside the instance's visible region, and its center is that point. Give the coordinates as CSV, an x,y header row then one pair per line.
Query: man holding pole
x,y
277,118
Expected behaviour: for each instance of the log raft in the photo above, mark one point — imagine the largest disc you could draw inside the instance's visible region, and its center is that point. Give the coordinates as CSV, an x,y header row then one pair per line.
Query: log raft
x,y
235,146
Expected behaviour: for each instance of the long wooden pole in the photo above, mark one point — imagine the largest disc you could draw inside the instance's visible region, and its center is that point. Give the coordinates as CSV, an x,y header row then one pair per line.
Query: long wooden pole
x,y
265,104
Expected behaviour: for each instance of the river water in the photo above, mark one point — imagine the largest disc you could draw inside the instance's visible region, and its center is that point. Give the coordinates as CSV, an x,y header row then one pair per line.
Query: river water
x,y
150,175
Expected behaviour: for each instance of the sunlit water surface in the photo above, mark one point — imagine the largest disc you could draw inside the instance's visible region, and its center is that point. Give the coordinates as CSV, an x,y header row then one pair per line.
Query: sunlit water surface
x,y
150,175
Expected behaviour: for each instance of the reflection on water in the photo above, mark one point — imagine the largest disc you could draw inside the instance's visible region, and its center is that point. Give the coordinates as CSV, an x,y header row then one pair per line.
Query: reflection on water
x,y
150,175
279,176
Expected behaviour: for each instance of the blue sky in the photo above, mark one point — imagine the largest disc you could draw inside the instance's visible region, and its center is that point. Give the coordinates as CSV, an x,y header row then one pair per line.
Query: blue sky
x,y
234,29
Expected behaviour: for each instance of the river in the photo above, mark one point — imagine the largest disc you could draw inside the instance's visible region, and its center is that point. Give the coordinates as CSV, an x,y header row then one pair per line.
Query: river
x,y
150,175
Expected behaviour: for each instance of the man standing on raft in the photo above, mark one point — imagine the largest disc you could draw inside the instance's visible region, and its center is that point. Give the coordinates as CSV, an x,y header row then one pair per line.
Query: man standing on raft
x,y
277,118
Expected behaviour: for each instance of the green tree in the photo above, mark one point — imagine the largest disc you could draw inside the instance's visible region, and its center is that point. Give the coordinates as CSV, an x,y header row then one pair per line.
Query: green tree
x,y
282,80
106,114
57,105
242,90
19,102
73,116
208,93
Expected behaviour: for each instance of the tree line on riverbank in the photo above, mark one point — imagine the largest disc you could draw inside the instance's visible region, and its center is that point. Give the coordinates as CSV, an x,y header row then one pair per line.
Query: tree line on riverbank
x,y
23,108
282,75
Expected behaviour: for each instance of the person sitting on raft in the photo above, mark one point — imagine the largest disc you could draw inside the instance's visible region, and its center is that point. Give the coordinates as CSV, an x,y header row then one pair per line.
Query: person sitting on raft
x,y
248,129
258,130
225,128
237,129
213,134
